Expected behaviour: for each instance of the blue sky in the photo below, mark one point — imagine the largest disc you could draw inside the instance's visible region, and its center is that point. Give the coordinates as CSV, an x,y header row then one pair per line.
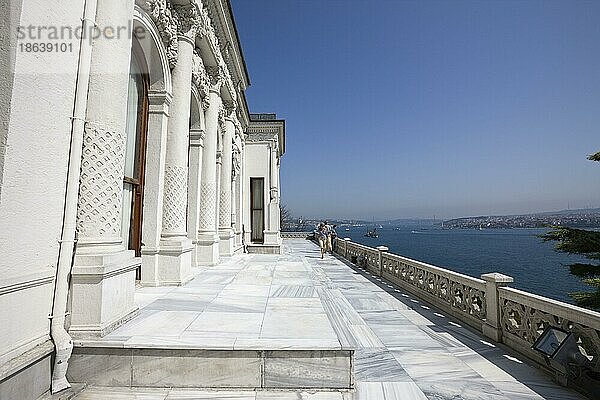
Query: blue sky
x,y
399,109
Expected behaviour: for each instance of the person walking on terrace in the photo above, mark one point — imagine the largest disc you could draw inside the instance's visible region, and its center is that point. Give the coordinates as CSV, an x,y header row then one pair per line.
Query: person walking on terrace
x,y
322,236
333,235
328,235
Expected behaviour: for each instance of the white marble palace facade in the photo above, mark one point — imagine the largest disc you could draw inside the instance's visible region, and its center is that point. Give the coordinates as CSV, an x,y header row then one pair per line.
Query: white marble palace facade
x,y
129,159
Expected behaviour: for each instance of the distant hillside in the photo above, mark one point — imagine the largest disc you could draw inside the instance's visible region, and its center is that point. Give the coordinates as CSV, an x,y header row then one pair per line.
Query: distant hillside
x,y
574,212
580,218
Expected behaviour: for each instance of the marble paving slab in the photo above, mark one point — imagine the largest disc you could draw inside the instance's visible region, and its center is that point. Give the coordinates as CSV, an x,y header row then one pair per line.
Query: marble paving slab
x,y
407,350
296,301
262,302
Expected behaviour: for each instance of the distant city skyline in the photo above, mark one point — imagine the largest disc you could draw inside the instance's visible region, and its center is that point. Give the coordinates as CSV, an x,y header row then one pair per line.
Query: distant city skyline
x,y
429,108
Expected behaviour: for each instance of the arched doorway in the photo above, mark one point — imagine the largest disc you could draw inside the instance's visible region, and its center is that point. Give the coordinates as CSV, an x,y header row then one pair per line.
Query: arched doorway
x,y
135,152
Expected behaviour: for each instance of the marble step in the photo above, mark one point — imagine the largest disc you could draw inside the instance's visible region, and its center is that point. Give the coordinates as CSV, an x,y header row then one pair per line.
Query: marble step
x,y
187,367
112,393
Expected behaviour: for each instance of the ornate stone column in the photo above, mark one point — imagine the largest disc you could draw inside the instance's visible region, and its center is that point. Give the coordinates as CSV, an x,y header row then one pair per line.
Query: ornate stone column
x,y
207,246
272,235
233,205
226,235
196,151
103,275
236,193
197,136
242,195
218,168
175,247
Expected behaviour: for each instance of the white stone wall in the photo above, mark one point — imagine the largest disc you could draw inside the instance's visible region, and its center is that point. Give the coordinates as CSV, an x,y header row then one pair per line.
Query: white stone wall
x,y
35,134
256,165
33,184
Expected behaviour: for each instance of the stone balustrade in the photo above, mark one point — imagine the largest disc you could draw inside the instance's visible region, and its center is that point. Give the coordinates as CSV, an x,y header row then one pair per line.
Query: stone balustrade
x,y
460,295
524,316
363,256
504,314
296,235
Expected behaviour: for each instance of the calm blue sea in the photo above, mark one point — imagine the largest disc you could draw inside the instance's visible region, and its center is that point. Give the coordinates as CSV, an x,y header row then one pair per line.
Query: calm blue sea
x,y
534,265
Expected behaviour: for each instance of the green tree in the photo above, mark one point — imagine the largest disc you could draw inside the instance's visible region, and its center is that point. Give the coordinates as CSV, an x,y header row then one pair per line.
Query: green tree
x,y
587,244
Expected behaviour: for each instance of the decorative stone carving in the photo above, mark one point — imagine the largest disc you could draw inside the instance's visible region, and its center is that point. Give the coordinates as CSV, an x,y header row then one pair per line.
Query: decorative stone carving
x,y
225,208
222,116
101,182
528,323
236,163
208,192
200,78
161,13
463,295
216,78
171,20
187,18
262,136
175,198
273,192
229,108
220,40
238,127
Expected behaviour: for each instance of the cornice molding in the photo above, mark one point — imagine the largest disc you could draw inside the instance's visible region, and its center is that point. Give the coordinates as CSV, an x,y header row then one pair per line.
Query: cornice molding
x,y
261,137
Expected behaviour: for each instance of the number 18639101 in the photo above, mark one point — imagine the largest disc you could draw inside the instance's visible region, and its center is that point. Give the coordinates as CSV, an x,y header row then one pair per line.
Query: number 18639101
x,y
45,47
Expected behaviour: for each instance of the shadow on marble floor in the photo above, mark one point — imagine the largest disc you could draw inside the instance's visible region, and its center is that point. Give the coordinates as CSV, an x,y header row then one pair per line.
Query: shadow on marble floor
x,y
512,371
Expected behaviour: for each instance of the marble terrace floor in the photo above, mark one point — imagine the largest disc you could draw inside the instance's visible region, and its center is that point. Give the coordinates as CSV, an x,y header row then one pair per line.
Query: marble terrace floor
x,y
403,349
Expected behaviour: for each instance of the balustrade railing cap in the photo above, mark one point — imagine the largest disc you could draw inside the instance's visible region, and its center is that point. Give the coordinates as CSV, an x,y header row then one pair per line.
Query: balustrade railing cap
x,y
497,277
347,239
382,248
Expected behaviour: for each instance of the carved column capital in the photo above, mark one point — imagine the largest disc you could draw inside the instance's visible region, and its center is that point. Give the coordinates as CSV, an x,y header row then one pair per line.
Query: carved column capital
x,y
188,21
161,13
200,78
216,78
222,116
229,106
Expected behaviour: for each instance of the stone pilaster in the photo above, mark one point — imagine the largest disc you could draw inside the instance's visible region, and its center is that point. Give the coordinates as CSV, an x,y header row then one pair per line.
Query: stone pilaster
x,y
207,246
272,234
103,275
235,195
218,173
196,151
175,250
492,327
241,195
234,206
226,235
158,117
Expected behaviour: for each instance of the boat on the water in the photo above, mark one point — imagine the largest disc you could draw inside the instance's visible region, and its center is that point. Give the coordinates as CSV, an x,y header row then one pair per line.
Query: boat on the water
x,y
372,234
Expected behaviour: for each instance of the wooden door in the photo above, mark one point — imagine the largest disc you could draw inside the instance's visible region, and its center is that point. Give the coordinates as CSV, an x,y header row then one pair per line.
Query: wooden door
x,y
257,209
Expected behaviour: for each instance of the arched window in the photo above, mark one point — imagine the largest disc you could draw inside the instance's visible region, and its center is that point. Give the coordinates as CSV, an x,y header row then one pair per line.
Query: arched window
x,y
135,152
